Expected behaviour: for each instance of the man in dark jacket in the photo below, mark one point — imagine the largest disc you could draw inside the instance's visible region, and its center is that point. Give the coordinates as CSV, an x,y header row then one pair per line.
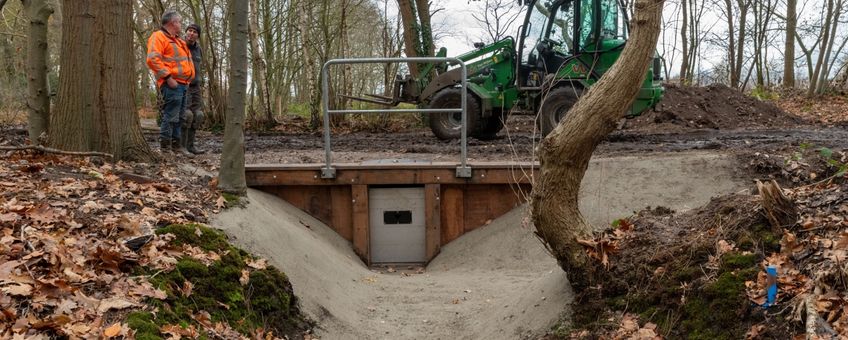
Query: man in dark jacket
x,y
193,115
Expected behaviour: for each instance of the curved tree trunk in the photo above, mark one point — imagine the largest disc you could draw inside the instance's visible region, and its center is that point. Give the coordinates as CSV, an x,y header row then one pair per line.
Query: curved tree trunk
x,y
231,175
565,153
38,98
96,106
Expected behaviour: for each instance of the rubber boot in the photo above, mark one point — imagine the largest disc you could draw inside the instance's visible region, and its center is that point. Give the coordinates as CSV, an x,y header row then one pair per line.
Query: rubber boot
x,y
192,133
165,146
179,150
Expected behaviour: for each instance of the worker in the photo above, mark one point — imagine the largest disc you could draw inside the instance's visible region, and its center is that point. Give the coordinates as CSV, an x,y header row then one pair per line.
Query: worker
x,y
193,115
169,59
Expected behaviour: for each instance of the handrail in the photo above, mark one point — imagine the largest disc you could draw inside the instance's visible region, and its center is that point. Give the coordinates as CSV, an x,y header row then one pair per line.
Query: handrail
x,y
328,172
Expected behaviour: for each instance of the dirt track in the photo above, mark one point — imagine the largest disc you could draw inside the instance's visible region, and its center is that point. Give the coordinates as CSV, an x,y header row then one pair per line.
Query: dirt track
x,y
421,145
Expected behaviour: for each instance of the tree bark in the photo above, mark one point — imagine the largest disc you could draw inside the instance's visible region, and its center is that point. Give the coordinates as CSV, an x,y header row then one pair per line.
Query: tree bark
x,y
231,175
260,71
684,47
565,153
38,98
96,106
789,47
410,33
825,30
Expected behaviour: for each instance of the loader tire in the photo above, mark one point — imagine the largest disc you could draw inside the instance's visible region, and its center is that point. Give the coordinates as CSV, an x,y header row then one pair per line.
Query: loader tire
x,y
491,125
447,126
555,105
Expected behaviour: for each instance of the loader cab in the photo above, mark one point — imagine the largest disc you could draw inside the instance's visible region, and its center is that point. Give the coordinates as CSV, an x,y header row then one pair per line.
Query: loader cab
x,y
558,33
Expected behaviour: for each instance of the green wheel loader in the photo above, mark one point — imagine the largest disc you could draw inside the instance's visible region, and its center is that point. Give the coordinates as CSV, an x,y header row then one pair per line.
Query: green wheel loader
x,y
564,46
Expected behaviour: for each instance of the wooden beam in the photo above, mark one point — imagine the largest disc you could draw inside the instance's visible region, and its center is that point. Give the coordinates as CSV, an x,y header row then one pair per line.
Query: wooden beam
x,y
432,219
452,213
341,206
388,176
361,241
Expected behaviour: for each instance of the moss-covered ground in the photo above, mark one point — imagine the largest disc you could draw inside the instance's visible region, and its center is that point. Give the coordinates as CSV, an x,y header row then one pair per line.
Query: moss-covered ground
x,y
265,301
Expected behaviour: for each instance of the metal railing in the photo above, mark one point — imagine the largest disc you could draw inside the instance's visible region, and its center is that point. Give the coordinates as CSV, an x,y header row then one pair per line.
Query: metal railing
x,y
463,171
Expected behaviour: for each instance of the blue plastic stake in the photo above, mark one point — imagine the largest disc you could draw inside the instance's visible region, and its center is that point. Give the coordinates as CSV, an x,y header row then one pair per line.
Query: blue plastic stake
x,y
771,284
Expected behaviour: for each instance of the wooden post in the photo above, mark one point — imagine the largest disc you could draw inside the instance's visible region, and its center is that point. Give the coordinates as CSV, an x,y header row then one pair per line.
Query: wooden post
x,y
432,219
361,242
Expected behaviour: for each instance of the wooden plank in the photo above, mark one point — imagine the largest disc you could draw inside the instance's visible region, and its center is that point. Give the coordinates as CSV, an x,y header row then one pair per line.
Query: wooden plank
x,y
342,211
452,213
484,203
432,219
361,242
390,176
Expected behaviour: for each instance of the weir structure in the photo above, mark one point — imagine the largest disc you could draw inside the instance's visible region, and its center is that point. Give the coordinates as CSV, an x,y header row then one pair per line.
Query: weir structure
x,y
398,211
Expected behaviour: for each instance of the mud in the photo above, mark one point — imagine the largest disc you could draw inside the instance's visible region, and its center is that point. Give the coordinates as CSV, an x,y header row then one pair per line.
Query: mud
x,y
518,146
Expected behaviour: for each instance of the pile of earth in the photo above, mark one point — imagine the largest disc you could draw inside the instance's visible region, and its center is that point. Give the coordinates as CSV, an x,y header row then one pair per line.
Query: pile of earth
x,y
711,107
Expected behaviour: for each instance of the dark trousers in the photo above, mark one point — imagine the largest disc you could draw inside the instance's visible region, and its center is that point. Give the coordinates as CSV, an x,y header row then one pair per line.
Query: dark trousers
x,y
171,110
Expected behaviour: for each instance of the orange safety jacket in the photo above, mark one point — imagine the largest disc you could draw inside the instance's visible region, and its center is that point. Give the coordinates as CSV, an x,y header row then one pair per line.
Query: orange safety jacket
x,y
168,56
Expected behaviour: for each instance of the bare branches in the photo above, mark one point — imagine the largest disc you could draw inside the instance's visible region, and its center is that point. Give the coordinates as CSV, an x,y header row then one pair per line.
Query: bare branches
x,y
52,150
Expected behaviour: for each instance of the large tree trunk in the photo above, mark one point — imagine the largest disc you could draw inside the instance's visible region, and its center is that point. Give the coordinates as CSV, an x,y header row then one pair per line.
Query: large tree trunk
x,y
96,106
789,47
38,98
231,175
565,153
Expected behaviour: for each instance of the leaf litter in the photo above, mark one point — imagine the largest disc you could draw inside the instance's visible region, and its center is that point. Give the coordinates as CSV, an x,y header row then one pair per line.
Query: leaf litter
x,y
72,230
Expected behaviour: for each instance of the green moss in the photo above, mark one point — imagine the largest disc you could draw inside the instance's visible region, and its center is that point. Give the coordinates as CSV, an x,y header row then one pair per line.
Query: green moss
x,y
231,198
266,299
738,260
714,313
209,239
145,328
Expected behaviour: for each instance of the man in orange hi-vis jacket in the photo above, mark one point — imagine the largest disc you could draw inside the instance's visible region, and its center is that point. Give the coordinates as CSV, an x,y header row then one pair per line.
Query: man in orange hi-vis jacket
x,y
169,59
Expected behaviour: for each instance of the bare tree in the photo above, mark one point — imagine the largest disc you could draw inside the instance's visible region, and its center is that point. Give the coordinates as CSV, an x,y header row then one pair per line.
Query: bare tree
x,y
789,47
564,154
231,175
497,17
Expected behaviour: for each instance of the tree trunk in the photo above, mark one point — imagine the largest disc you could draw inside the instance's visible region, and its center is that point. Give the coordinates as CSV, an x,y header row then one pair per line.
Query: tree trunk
x,y
410,33
231,175
825,30
565,153
828,48
38,98
740,43
260,71
789,47
731,47
96,107
684,47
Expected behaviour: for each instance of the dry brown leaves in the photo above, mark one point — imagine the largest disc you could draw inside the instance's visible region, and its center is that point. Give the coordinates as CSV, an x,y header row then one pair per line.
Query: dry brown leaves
x,y
64,265
606,243
828,110
628,328
813,258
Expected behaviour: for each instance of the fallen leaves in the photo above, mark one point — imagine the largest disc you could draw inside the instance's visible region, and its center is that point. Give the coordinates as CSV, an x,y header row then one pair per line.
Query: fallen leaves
x,y
64,222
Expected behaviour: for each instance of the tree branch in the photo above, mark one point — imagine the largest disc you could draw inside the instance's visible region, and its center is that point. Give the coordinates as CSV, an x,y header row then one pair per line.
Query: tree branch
x,y
56,151
2,3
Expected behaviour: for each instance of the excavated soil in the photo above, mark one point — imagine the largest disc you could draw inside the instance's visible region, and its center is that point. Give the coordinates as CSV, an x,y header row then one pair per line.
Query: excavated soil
x,y
711,107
